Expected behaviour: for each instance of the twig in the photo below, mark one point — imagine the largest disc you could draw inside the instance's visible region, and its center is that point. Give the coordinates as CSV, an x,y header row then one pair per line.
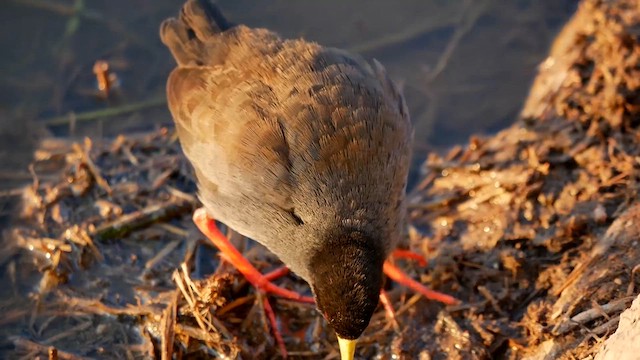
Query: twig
x,y
632,281
408,304
162,254
466,24
592,314
174,229
93,306
142,218
167,325
10,316
39,348
230,348
428,180
93,168
11,192
404,35
608,327
189,292
235,303
102,113
78,235
182,195
492,300
15,175
83,13
64,334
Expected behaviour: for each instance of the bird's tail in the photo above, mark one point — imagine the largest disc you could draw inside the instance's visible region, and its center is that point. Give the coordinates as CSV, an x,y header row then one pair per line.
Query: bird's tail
x,y
185,36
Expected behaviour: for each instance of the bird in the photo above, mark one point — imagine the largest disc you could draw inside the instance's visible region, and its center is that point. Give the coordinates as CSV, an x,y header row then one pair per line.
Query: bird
x,y
304,148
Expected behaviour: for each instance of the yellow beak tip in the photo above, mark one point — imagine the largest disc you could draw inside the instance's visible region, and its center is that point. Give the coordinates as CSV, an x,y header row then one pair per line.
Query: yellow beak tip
x,y
347,348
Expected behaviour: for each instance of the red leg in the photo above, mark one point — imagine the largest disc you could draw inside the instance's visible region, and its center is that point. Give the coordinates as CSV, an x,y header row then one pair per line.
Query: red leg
x,y
271,315
397,275
277,273
407,254
233,256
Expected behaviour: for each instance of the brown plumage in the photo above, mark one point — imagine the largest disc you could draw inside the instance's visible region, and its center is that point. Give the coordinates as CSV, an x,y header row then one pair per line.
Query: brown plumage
x,y
303,148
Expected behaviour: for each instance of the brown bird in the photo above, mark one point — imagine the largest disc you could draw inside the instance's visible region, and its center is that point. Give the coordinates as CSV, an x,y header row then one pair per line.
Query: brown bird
x,y
303,148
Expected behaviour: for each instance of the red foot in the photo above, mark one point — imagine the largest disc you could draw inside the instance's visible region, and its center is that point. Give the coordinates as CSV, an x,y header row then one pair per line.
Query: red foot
x,y
261,282
407,254
264,284
397,275
277,273
271,315
231,254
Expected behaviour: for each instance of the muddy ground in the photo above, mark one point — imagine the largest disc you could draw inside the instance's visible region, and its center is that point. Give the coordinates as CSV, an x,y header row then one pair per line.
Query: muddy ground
x,y
535,229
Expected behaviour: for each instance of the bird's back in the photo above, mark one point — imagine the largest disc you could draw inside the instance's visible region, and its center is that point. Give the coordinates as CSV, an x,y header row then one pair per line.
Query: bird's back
x,y
288,139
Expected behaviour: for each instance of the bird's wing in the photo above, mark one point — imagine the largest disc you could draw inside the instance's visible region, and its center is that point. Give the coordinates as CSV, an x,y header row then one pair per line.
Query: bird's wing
x,y
234,142
285,132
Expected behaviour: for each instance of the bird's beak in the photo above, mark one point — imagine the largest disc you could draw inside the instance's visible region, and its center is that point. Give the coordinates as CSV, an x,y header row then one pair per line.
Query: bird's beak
x,y
347,348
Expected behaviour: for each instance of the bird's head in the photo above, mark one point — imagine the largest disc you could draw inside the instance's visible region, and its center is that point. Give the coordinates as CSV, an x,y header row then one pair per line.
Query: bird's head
x,y
346,282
